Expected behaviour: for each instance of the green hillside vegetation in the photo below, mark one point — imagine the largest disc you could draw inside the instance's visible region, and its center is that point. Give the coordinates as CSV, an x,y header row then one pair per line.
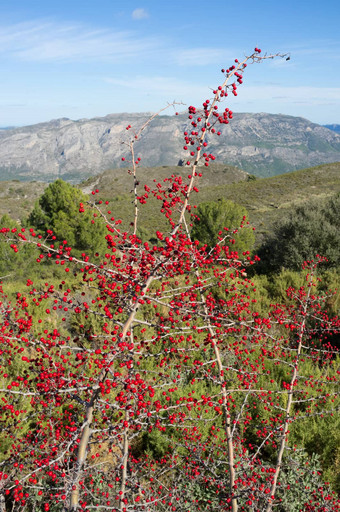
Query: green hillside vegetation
x,y
17,198
266,199
308,229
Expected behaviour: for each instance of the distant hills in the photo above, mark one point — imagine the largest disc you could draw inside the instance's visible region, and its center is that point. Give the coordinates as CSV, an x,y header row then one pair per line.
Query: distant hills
x,y
260,144
334,127
266,199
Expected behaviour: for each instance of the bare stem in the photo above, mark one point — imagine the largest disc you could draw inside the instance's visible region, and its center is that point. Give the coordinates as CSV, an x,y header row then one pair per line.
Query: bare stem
x,y
124,463
289,401
228,432
82,450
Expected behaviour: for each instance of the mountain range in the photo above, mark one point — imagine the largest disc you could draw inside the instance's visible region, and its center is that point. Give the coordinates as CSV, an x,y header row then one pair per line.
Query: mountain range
x,y
334,127
261,144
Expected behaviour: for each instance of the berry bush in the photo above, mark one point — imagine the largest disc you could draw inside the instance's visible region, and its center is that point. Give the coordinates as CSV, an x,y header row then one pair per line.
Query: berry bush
x,y
146,378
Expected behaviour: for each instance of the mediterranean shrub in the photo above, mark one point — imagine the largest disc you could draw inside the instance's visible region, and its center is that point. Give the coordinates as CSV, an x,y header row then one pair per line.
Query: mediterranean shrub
x,y
148,379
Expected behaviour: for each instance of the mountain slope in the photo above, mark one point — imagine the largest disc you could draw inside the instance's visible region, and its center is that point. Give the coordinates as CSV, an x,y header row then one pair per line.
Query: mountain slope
x,y
261,144
266,199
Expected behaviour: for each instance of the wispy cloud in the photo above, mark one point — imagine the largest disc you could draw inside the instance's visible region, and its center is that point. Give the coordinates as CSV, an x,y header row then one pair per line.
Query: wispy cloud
x,y
13,105
46,40
172,87
201,56
314,96
165,87
321,50
139,14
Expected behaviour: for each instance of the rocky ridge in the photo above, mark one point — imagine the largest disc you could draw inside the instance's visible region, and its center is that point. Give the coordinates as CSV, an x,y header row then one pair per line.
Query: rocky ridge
x,y
261,144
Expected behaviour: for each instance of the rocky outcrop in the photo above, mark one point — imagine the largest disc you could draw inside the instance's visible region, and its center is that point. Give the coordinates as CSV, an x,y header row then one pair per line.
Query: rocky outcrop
x,y
261,144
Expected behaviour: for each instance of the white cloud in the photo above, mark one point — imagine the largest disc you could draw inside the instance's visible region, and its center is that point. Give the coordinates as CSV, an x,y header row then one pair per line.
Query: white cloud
x,y
171,86
46,40
139,14
154,91
201,56
161,86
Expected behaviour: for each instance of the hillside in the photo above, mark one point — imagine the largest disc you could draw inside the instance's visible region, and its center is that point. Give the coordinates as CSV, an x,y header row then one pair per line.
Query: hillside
x,y
266,199
17,198
261,144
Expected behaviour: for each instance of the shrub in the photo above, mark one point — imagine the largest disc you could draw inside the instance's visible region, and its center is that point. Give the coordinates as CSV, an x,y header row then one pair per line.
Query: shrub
x,y
58,210
169,395
224,222
310,229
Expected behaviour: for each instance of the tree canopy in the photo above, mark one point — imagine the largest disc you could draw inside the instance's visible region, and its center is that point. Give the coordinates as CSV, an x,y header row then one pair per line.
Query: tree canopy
x,y
220,219
308,230
58,209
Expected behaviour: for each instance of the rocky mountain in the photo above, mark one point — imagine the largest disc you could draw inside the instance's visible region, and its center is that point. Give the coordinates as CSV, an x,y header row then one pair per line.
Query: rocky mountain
x,y
261,144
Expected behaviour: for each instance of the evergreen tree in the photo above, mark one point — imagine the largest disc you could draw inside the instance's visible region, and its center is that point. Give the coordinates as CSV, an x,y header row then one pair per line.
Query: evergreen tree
x,y
58,210
217,220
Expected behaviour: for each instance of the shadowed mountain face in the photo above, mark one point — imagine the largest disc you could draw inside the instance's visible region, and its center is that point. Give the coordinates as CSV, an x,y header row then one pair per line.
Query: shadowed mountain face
x,y
334,127
261,144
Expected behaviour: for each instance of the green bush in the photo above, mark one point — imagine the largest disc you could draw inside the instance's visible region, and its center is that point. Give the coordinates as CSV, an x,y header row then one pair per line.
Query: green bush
x,y
214,217
14,263
58,210
310,229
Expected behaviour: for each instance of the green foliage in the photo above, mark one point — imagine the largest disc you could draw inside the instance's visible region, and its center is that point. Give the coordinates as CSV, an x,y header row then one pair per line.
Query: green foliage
x,y
18,263
308,230
151,443
198,495
58,210
266,199
300,476
310,434
213,217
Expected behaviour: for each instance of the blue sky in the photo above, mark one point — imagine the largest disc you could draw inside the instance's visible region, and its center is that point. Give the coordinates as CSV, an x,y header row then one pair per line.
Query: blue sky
x,y
70,58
